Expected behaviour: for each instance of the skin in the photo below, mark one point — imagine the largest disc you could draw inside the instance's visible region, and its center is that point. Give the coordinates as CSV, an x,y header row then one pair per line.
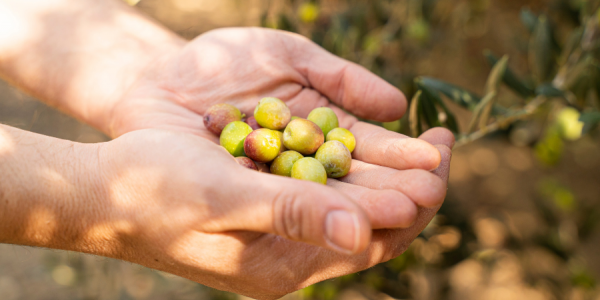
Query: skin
x,y
325,118
246,163
309,169
282,165
262,145
335,157
272,113
165,160
343,135
303,136
219,115
234,136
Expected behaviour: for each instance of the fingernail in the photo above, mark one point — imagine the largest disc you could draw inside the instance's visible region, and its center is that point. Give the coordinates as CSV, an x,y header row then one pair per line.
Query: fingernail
x,y
342,232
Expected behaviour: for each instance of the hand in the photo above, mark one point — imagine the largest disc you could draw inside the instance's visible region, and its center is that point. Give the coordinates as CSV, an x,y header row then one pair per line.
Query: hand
x,y
239,66
389,179
180,203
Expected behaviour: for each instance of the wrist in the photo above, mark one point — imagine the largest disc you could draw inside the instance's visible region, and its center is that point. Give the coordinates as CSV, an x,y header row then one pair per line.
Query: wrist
x,y
52,193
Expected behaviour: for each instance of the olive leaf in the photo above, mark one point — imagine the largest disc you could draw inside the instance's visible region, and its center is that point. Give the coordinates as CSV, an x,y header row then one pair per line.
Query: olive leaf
x,y
580,71
541,53
429,111
548,90
491,87
456,94
284,23
529,19
413,116
590,119
478,110
591,35
573,43
510,79
496,75
450,122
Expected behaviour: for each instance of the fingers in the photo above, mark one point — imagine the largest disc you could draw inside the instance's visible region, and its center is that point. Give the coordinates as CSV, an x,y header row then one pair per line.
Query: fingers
x,y
348,84
443,140
438,136
443,171
385,208
422,187
297,210
376,145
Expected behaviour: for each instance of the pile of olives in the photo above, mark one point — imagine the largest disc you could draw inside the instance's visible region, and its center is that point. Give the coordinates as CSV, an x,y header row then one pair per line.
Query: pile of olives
x,y
309,149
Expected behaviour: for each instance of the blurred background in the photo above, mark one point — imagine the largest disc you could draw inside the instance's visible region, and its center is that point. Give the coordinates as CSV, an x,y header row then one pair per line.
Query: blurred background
x,y
521,217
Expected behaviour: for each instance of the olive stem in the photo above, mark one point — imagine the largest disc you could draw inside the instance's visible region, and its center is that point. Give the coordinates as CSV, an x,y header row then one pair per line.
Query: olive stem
x,y
526,112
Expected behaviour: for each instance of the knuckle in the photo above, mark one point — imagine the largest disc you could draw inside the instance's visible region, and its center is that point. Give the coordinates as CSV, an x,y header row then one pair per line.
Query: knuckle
x,y
287,216
398,150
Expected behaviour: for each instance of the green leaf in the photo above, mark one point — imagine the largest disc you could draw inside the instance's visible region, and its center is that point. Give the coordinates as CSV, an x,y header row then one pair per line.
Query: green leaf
x,y
578,73
492,86
529,19
496,75
456,94
548,90
510,79
590,119
429,112
284,23
541,51
488,99
572,44
413,116
451,122
591,35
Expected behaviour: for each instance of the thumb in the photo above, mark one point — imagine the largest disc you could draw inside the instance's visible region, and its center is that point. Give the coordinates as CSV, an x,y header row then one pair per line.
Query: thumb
x,y
297,210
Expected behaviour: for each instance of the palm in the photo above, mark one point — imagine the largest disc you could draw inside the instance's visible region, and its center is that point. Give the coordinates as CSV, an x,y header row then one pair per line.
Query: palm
x,y
237,66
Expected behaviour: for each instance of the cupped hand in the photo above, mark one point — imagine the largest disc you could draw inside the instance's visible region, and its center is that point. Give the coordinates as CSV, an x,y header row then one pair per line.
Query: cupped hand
x,y
389,187
241,65
180,203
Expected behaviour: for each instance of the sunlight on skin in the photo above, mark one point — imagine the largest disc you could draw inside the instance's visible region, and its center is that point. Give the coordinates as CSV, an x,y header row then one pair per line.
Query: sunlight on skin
x,y
168,226
109,231
40,226
39,33
7,144
59,180
152,178
12,26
